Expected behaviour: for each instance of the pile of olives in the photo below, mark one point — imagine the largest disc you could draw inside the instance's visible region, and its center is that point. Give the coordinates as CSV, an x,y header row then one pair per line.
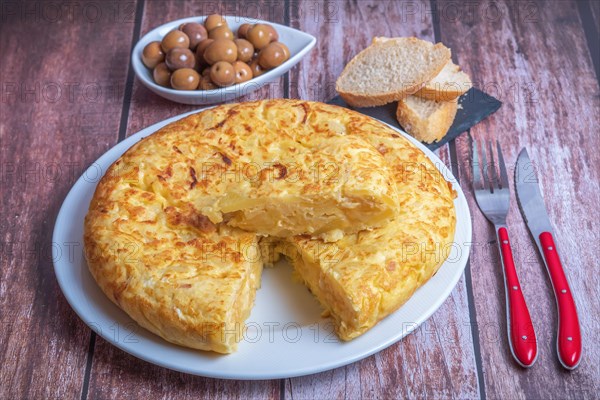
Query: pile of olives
x,y
209,56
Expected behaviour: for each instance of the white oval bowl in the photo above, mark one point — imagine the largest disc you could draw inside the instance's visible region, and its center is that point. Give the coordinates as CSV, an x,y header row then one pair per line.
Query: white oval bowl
x,y
298,42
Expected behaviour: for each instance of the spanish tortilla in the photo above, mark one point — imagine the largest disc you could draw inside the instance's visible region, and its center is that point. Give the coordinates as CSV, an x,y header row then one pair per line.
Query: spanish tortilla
x,y
192,280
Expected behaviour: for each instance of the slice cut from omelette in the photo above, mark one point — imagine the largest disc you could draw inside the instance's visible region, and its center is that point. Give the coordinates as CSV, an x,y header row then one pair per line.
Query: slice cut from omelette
x,y
262,168
362,278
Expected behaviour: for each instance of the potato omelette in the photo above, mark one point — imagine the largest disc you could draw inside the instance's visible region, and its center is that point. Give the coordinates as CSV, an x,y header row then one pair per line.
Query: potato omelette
x,y
180,226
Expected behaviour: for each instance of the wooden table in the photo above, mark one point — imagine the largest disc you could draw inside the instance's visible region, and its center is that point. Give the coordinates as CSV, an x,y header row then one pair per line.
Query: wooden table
x,y
69,94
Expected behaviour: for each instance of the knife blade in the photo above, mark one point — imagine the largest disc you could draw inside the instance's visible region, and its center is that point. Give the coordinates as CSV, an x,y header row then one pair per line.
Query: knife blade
x,y
531,203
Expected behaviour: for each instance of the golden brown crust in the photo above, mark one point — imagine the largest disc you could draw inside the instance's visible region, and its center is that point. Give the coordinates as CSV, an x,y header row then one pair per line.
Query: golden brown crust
x,y
436,94
448,85
186,278
378,99
157,263
429,129
244,161
364,277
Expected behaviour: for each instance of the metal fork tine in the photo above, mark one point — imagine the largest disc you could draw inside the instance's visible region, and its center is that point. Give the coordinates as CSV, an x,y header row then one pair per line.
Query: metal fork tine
x,y
484,169
503,174
493,175
493,200
477,183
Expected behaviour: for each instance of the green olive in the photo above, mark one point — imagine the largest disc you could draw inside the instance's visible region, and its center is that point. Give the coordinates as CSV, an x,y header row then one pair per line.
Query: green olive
x,y
185,79
152,55
180,58
196,32
271,56
206,83
222,74
259,36
245,50
221,50
175,39
213,21
243,30
273,35
202,46
256,69
162,75
243,72
286,50
221,32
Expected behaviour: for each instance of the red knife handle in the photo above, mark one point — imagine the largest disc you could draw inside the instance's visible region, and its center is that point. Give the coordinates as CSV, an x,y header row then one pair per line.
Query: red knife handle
x,y
521,333
569,334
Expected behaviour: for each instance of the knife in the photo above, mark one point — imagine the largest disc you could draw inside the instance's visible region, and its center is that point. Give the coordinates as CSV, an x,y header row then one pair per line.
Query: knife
x,y
568,341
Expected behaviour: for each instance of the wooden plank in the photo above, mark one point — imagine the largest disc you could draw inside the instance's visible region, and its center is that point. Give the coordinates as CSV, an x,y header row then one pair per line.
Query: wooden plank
x,y
595,6
114,373
118,375
437,360
540,67
343,28
589,13
60,110
149,108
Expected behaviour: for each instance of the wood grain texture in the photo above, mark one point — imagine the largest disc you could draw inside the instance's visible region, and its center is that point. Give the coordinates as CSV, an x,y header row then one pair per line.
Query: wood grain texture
x,y
589,14
62,91
59,111
344,28
118,375
441,350
551,106
595,6
114,373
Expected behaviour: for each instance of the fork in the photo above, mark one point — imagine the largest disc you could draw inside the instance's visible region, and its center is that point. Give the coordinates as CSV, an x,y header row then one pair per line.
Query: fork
x,y
493,198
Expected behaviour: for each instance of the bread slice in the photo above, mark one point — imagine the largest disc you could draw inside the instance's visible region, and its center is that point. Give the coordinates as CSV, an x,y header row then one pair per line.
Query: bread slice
x,y
426,120
389,70
450,83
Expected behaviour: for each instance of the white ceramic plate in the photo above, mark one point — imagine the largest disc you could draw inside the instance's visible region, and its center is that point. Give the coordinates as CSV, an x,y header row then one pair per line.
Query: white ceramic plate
x,y
297,41
286,335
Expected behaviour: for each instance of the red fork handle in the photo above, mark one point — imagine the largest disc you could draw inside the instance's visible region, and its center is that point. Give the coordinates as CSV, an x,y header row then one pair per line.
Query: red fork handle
x,y
521,334
568,340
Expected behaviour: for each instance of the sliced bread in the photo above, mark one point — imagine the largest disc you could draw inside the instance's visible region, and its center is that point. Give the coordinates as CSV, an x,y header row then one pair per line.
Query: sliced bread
x,y
389,70
426,120
450,83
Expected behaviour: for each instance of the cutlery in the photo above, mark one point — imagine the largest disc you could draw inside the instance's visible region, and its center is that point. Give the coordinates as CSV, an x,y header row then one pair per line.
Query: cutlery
x,y
529,197
493,198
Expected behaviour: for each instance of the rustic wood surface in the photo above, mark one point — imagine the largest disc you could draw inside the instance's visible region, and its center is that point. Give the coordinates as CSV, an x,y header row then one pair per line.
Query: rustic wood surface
x,y
596,13
68,94
60,109
560,137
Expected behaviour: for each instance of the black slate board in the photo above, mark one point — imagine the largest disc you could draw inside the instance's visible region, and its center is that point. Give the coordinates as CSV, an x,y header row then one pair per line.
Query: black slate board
x,y
475,106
